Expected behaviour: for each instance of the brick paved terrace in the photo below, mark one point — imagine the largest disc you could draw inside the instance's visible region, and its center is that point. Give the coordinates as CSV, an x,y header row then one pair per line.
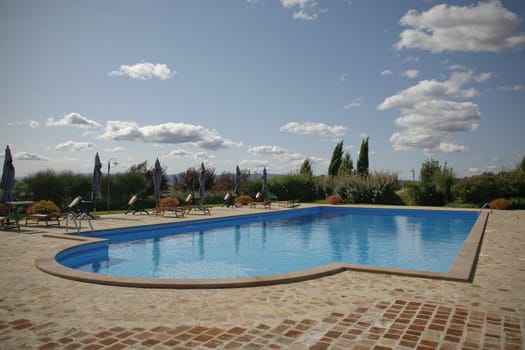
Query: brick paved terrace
x,y
349,310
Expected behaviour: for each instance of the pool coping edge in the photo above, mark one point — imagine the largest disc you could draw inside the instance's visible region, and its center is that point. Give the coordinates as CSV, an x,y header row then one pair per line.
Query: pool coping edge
x,y
462,269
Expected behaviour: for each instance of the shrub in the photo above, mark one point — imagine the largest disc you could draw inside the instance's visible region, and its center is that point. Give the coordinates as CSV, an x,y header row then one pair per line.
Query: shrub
x,y
518,202
482,188
243,199
43,207
334,199
377,188
168,202
500,203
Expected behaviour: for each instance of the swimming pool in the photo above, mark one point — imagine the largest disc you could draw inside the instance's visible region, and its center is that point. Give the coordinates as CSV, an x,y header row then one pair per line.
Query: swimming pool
x,y
279,243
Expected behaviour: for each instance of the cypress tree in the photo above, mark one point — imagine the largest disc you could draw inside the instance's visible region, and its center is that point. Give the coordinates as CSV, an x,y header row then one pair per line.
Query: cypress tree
x,y
337,158
347,165
306,168
362,161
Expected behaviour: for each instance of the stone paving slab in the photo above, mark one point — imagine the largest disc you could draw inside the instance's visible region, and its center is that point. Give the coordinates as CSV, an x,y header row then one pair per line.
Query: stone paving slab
x,y
398,324
350,310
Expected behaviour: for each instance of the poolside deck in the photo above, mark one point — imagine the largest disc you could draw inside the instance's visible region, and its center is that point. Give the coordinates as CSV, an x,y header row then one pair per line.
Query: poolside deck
x,y
349,310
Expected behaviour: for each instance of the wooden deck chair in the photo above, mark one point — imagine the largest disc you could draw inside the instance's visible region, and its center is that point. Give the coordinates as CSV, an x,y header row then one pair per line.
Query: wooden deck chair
x,y
135,205
6,219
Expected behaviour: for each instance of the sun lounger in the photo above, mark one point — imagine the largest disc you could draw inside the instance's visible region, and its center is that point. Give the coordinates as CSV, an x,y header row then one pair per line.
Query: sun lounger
x,y
162,211
168,205
266,204
6,219
205,209
135,206
36,215
289,204
48,218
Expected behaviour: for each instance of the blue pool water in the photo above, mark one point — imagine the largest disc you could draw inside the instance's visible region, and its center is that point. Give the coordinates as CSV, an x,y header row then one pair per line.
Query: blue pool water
x,y
279,242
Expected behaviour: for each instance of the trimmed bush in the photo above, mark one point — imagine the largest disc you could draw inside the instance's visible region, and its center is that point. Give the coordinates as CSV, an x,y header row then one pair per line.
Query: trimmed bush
x,y
168,202
377,188
500,203
243,199
334,199
43,207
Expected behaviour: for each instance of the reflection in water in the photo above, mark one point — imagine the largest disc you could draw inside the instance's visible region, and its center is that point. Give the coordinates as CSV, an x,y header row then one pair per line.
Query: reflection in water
x,y
201,245
237,238
156,253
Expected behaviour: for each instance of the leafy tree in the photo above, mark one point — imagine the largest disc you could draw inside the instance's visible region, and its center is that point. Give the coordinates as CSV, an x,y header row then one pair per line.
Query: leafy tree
x,y
142,169
225,182
435,185
60,187
188,181
521,166
347,165
362,161
443,180
337,158
306,168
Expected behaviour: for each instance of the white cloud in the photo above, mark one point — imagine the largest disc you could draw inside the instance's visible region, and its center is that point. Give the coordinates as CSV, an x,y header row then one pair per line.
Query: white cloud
x,y
355,103
387,72
310,128
483,77
180,153
432,89
305,10
172,133
202,156
73,119
429,115
116,149
34,124
487,26
144,71
73,146
512,88
254,165
28,156
267,150
457,67
344,77
411,73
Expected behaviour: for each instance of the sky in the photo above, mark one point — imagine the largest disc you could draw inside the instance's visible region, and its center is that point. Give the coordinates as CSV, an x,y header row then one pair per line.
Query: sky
x,y
262,83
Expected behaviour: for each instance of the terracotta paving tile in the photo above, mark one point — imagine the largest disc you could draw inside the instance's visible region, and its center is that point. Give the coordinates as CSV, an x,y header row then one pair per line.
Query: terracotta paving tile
x,y
292,333
108,341
150,342
129,341
117,329
245,338
160,329
198,330
216,331
49,346
233,345
236,330
183,336
88,340
124,334
143,335
213,344
226,336
203,338
320,346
